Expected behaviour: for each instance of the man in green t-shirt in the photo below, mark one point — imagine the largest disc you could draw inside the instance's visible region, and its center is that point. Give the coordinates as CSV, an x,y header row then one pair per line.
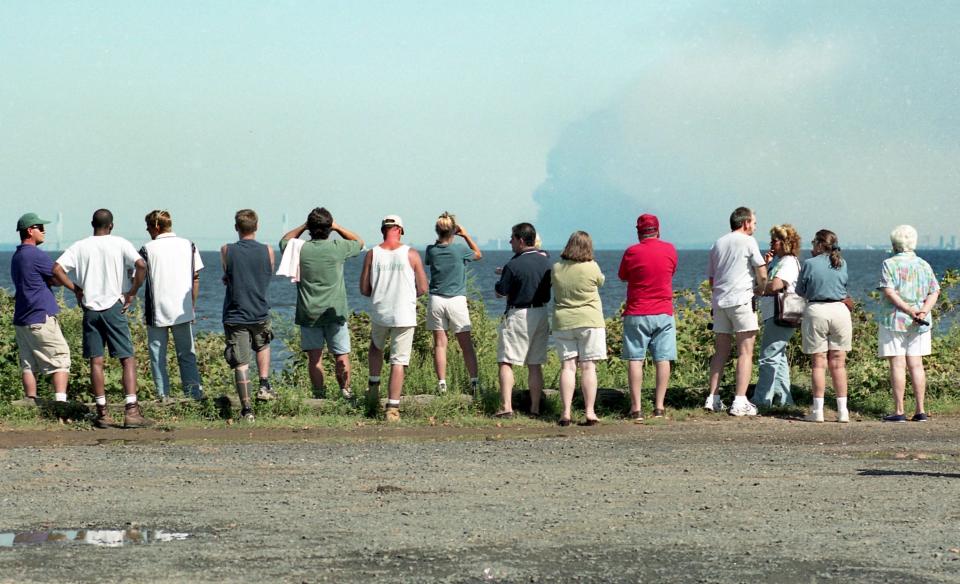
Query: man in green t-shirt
x,y
322,296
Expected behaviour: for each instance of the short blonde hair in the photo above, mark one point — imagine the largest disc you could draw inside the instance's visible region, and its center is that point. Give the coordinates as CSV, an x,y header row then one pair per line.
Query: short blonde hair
x,y
159,220
446,225
579,247
903,238
789,236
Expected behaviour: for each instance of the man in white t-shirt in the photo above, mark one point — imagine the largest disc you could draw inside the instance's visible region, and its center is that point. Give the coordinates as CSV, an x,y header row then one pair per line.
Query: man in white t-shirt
x,y
170,294
100,265
737,272
393,277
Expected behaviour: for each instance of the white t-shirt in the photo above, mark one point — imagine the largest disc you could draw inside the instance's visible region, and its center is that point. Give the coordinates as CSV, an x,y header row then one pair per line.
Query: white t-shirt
x,y
101,265
168,293
787,268
733,260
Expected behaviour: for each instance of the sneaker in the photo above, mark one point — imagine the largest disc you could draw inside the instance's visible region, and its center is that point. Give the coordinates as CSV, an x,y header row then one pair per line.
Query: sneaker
x,y
392,414
659,413
714,404
743,408
814,416
132,418
441,387
843,417
895,418
346,393
247,415
266,392
921,417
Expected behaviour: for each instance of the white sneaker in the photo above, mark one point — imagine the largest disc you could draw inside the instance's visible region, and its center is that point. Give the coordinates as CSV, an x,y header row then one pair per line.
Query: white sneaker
x,y
814,416
714,404
442,386
843,417
743,408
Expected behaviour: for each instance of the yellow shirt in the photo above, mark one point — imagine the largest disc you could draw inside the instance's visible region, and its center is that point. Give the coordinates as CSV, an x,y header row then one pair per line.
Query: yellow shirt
x,y
576,295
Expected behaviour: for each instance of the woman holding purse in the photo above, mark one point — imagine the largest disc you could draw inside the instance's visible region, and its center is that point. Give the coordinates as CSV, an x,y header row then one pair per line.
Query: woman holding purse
x,y
783,268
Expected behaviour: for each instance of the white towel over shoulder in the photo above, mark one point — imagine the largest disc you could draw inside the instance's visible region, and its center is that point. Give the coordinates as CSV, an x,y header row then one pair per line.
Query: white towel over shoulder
x,y
290,262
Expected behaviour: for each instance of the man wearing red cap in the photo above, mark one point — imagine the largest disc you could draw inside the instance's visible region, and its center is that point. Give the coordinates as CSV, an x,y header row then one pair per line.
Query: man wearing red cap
x,y
648,325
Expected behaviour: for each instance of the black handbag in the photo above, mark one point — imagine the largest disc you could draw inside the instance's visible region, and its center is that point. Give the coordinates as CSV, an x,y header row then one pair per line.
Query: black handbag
x,y
788,308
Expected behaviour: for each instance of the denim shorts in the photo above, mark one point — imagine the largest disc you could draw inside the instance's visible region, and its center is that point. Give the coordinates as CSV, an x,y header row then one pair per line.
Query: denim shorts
x,y
334,336
106,327
656,333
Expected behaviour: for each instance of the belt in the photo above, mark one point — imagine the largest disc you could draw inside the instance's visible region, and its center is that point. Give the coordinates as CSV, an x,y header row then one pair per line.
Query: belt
x,y
520,306
826,301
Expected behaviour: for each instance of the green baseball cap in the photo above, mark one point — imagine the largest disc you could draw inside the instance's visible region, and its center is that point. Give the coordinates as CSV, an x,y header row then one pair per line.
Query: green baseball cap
x,y
29,219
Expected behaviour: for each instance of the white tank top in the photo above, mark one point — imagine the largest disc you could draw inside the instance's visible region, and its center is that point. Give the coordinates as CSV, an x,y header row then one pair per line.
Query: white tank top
x,y
394,287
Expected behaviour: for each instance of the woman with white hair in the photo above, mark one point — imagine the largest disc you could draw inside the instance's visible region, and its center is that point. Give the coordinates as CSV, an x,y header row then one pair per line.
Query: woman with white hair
x,y
911,290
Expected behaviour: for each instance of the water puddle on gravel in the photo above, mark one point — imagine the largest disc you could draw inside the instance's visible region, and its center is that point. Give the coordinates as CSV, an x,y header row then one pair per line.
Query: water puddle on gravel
x,y
97,537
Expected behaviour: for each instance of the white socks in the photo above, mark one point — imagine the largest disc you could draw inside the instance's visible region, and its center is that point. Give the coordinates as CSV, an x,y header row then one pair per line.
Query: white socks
x,y
60,397
393,403
739,399
841,404
130,399
101,400
818,404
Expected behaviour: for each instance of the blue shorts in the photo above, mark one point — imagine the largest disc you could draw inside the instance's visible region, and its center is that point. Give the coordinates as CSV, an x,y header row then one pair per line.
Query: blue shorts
x,y
334,336
106,327
656,333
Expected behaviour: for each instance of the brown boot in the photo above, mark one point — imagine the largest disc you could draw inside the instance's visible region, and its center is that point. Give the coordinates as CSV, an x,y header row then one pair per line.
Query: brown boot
x,y
132,418
103,420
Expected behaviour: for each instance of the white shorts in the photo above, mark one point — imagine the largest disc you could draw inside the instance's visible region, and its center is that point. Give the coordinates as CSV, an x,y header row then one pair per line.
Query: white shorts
x,y
735,319
897,344
401,341
523,336
583,343
448,314
826,326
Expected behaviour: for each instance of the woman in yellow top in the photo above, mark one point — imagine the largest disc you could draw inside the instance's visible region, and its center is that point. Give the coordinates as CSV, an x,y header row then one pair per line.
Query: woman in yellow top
x,y
578,327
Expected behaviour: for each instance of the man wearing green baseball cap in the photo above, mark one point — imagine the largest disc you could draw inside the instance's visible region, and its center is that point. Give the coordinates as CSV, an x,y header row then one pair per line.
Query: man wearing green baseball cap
x,y
39,338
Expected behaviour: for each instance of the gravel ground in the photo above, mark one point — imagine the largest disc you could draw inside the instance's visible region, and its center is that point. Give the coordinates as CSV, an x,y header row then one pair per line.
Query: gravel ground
x,y
704,500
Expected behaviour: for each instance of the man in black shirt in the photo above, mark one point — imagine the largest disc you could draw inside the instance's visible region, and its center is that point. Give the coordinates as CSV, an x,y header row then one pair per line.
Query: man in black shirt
x,y
524,330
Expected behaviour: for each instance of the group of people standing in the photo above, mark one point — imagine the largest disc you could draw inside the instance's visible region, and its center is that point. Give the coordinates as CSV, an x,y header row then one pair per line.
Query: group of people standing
x,y
106,272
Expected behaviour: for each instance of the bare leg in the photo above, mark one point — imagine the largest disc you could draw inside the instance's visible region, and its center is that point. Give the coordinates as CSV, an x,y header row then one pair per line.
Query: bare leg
x,y
342,365
506,388
663,380
96,376
898,381
440,353
469,354
315,369
535,381
745,341
818,374
919,379
838,371
375,360
30,384
129,375
263,362
395,389
568,381
588,384
635,381
722,344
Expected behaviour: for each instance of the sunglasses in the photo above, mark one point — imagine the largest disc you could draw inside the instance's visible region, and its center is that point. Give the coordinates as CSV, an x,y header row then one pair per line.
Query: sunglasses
x,y
37,227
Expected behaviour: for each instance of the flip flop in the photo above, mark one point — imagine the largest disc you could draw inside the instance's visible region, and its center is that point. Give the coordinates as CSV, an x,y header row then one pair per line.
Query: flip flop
x,y
503,415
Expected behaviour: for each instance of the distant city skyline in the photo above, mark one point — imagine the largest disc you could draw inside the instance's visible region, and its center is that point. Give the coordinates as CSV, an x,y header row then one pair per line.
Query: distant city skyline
x,y
570,114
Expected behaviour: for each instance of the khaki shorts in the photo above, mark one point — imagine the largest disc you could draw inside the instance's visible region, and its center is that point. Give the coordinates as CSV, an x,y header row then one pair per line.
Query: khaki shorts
x,y
243,341
826,327
448,314
401,341
42,347
583,344
523,336
735,319
897,344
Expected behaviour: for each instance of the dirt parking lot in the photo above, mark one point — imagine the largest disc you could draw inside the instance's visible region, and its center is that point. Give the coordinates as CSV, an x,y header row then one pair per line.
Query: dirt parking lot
x,y
703,500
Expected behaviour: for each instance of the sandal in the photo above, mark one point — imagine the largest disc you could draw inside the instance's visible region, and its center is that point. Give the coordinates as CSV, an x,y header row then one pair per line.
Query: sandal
x,y
636,416
564,422
503,415
589,422
659,413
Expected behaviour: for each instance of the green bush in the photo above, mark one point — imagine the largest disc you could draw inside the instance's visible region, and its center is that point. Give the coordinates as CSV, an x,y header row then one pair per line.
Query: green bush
x,y
868,375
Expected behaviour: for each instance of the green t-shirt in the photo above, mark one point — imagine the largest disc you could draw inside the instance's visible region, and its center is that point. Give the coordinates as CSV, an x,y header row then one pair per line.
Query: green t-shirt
x,y
321,293
576,295
448,276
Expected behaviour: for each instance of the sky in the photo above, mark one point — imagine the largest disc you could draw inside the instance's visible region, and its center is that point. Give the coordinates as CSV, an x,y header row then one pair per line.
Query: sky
x,y
570,115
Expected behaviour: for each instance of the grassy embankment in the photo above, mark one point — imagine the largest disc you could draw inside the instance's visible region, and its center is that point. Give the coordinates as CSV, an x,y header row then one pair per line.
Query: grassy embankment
x,y
868,375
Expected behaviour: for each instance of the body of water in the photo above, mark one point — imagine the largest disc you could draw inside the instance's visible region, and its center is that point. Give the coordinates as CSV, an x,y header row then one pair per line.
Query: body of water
x,y
863,267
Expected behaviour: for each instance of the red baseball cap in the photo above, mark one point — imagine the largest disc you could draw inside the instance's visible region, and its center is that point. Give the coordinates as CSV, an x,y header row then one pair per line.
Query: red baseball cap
x,y
648,223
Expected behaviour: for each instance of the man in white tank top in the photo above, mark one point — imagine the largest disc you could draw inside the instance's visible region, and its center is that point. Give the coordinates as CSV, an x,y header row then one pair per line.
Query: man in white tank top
x,y
392,277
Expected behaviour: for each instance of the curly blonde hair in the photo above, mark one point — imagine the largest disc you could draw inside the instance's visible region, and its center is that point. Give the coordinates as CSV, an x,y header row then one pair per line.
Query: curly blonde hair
x,y
789,236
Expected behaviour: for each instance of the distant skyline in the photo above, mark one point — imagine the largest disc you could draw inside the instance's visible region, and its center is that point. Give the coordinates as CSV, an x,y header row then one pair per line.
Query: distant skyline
x,y
572,115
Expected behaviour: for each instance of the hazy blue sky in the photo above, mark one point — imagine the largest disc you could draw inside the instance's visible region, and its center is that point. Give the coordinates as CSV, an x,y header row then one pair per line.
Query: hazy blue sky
x,y
573,115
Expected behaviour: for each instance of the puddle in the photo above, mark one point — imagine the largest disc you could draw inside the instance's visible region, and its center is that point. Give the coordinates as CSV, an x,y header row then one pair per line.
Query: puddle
x,y
97,537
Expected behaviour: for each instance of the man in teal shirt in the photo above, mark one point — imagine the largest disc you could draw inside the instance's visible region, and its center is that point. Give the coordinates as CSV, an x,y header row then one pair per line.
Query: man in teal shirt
x,y
322,296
